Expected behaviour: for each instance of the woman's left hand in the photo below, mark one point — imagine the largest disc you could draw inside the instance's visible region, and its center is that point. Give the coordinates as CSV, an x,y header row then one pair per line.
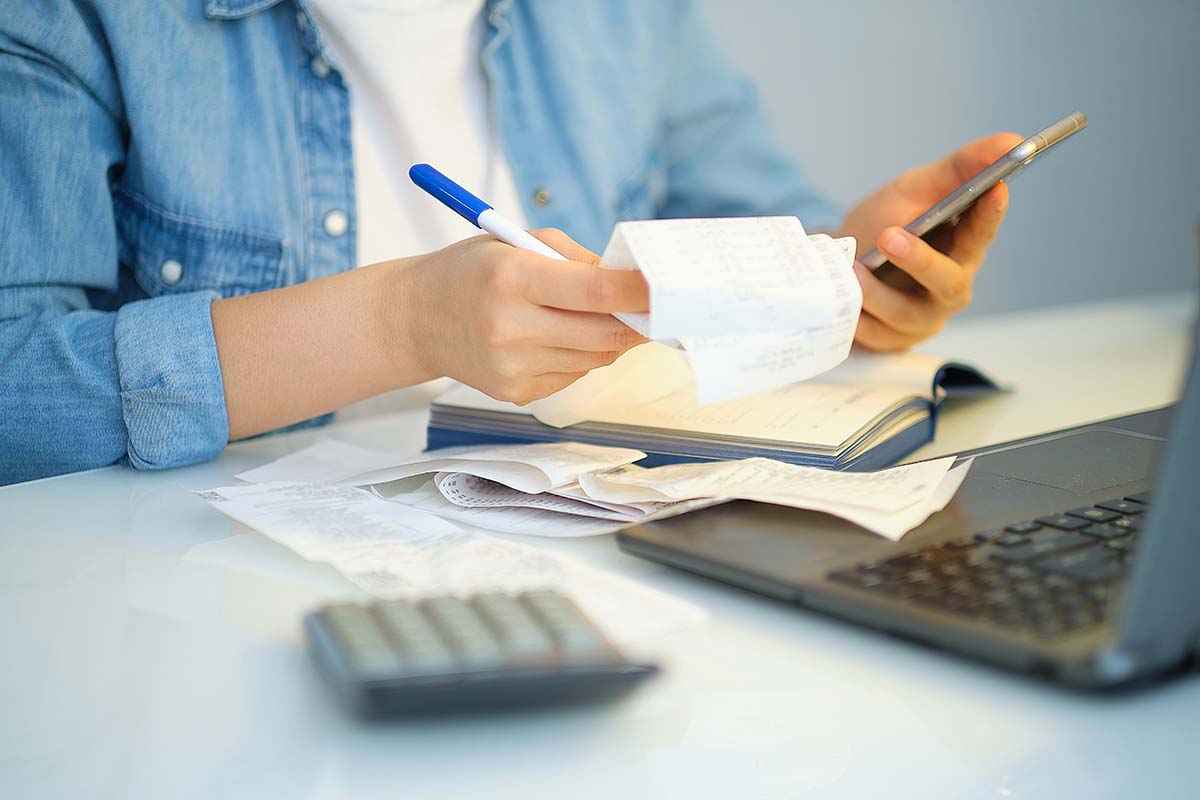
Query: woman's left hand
x,y
942,271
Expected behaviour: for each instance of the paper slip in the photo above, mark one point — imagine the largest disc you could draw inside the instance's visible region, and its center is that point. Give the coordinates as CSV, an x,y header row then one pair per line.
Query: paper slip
x,y
889,502
469,491
754,302
502,510
524,520
736,275
531,468
392,550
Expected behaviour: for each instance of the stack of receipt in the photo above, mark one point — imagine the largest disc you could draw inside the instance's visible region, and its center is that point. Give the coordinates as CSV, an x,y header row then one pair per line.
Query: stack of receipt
x,y
404,525
572,489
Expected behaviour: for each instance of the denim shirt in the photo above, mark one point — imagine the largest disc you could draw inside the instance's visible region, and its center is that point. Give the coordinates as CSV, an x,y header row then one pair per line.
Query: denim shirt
x,y
158,155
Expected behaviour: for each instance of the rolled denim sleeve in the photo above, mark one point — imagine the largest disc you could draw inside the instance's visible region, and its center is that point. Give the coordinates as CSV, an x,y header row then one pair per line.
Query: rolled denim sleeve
x,y
172,397
722,158
83,387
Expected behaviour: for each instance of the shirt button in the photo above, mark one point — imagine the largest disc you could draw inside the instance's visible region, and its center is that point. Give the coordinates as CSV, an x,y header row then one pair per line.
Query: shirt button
x,y
171,271
541,197
319,67
336,223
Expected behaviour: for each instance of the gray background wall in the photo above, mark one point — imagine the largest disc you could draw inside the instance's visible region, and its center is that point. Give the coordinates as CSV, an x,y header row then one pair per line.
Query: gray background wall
x,y
898,84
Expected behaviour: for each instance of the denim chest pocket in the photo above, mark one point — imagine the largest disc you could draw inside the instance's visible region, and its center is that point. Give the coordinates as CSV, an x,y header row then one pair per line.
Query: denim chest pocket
x,y
172,253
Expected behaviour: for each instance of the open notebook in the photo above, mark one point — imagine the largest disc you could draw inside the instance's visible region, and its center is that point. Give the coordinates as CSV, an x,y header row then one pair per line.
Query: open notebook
x,y
868,413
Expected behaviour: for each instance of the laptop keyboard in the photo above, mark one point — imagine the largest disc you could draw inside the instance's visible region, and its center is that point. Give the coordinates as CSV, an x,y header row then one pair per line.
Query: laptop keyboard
x,y
1050,576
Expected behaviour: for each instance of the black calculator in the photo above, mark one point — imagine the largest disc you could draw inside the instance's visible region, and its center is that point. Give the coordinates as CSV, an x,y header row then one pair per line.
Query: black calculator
x,y
454,654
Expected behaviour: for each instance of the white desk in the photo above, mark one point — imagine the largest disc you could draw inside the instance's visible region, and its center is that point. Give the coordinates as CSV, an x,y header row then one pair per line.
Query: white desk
x,y
146,653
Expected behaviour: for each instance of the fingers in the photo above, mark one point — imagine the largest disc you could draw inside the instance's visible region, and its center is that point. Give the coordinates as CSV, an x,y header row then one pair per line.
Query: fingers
x,y
940,275
943,176
966,162
875,335
913,315
534,388
561,359
578,330
978,227
576,286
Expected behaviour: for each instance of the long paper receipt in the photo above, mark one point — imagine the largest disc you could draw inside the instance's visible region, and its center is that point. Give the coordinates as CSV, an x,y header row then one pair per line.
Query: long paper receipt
x,y
754,302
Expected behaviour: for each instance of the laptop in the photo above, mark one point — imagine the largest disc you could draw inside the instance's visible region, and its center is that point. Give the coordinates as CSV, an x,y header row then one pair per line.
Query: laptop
x,y
1062,556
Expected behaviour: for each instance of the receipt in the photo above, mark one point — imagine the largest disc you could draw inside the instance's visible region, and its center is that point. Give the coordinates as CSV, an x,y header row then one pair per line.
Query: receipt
x,y
529,468
469,491
393,550
736,275
523,520
889,502
754,302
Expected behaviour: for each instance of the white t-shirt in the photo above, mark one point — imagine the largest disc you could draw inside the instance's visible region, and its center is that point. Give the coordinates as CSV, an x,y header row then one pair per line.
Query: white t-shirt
x,y
417,94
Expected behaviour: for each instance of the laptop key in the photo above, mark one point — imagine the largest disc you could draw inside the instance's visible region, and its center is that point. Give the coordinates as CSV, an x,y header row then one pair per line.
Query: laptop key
x,y
1034,547
1064,522
1023,527
1085,565
1140,497
1131,524
1122,506
1105,531
1092,514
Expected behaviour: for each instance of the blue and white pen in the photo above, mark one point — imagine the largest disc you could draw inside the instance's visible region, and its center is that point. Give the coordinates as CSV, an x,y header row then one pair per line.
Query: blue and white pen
x,y
477,212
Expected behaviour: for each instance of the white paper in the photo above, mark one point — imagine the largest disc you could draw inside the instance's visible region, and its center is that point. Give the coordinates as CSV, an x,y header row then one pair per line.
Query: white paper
x,y
754,302
889,502
735,275
469,491
317,520
890,524
884,490
394,550
529,468
524,521
538,519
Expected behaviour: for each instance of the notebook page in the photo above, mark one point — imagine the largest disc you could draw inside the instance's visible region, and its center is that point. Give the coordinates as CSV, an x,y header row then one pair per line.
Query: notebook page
x,y
825,412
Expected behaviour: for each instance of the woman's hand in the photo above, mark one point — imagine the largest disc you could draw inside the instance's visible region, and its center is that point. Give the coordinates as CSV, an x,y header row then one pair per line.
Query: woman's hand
x,y
943,270
513,324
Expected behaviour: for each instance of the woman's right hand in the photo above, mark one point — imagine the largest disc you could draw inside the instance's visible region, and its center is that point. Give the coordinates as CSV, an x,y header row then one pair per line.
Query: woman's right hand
x,y
513,324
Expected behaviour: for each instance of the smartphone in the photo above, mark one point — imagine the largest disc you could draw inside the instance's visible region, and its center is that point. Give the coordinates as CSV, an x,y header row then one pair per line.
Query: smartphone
x,y
951,207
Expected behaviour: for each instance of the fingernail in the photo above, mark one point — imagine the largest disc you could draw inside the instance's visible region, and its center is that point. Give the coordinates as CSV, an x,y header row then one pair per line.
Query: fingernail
x,y
896,243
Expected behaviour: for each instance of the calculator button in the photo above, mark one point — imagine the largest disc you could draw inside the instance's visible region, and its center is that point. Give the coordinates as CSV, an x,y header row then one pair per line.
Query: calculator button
x,y
370,653
472,641
572,631
424,651
519,632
